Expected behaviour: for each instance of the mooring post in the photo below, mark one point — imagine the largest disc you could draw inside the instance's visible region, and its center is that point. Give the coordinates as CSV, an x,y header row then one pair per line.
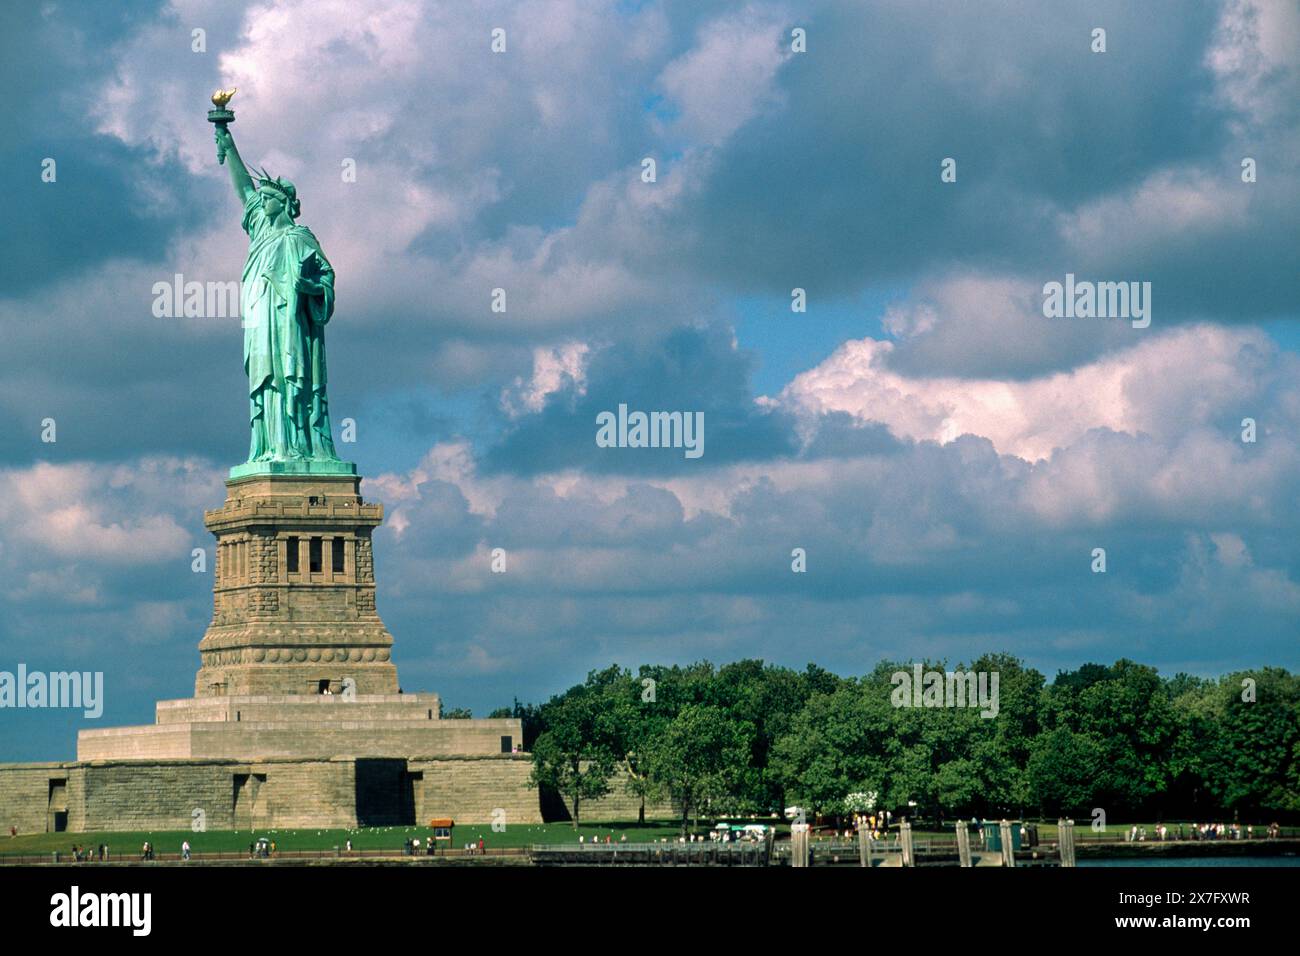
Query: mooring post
x,y
1065,840
1008,848
864,845
799,844
905,843
963,843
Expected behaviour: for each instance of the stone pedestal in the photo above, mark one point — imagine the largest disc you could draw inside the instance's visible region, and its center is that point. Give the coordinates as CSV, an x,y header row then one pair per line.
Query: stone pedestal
x,y
294,591
260,745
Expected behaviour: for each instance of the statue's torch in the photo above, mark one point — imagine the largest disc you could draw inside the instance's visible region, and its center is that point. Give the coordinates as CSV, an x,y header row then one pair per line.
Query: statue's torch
x,y
221,117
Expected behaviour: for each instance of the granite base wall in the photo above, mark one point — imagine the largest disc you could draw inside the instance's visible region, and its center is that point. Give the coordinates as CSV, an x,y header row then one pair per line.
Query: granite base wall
x,y
477,789
25,795
263,794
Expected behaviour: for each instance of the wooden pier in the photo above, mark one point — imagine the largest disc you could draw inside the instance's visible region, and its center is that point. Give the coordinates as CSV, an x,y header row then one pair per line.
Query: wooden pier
x,y
905,851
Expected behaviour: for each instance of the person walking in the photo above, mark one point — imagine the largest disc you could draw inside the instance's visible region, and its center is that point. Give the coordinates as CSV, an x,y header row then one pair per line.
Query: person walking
x,y
185,849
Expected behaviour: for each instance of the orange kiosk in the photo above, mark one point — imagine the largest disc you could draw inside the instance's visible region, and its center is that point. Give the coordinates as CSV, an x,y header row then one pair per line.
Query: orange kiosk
x,y
442,827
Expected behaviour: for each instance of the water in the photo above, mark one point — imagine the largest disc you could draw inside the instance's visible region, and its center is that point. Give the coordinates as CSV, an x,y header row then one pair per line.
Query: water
x,y
1208,861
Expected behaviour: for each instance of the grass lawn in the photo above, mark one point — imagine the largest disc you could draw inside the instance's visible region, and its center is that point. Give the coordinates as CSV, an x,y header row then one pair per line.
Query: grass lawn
x,y
127,844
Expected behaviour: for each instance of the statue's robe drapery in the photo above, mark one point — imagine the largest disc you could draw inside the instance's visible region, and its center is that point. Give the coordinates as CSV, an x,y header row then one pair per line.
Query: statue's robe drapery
x,y
287,297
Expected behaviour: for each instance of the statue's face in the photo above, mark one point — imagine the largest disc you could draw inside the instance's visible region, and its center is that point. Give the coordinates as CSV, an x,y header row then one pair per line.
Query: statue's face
x,y
272,203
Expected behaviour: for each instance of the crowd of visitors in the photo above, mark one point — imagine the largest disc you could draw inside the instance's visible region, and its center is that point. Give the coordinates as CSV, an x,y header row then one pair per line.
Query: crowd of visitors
x,y
83,854
1204,831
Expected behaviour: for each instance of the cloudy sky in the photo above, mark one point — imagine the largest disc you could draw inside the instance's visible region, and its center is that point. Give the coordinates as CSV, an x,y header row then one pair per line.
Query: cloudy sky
x,y
947,456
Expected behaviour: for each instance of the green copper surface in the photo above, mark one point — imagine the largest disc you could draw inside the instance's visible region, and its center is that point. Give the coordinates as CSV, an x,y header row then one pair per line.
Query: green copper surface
x,y
286,299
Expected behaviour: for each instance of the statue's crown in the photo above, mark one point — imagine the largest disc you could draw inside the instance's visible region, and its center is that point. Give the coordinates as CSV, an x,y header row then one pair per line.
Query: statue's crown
x,y
266,180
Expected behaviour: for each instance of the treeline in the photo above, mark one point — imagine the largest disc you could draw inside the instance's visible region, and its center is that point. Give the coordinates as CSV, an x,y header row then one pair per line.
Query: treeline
x,y
755,738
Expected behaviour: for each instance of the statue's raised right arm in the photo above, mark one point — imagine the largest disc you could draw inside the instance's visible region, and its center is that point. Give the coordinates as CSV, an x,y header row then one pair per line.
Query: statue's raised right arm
x,y
238,173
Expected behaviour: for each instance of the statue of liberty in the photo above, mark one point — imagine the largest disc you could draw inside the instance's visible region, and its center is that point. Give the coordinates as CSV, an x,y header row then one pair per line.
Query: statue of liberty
x,y
287,297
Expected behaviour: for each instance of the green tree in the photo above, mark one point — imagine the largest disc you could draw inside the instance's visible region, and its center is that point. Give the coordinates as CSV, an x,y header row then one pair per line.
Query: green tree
x,y
755,736
697,756
576,754
1064,766
1251,755
769,699
637,717
1128,722
837,744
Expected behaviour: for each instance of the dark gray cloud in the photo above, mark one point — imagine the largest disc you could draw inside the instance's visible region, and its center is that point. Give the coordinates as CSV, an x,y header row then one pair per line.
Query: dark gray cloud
x,y
55,57
691,370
